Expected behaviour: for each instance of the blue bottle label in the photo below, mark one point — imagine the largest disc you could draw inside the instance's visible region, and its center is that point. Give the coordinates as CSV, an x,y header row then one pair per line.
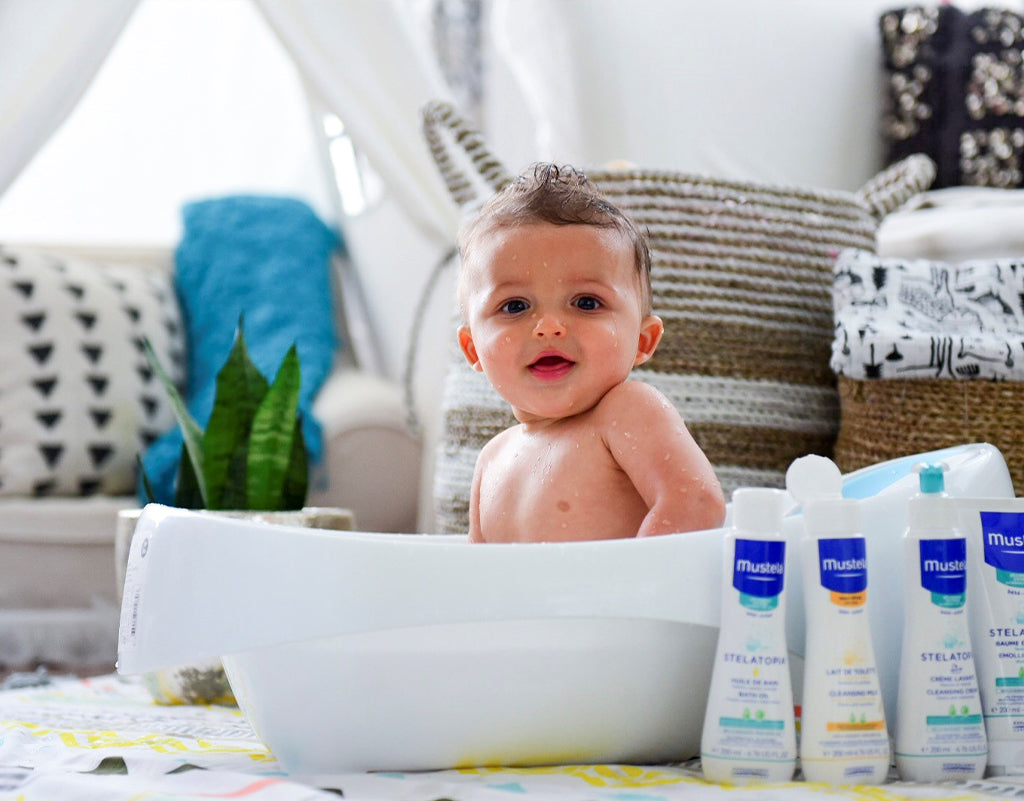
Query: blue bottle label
x,y
843,564
944,571
1002,536
758,571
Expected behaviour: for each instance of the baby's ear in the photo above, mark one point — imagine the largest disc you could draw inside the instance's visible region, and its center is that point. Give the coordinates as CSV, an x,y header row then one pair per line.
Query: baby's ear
x,y
468,348
651,329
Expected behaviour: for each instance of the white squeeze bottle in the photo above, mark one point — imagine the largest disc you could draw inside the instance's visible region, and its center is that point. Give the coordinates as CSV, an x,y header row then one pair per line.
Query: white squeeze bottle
x,y
994,528
940,733
749,733
843,736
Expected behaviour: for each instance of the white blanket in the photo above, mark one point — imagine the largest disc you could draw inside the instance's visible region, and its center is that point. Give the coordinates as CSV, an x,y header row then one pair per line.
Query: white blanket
x,y
104,739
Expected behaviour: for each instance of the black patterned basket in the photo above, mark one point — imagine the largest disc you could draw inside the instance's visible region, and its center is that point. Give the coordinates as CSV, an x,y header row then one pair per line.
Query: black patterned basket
x,y
741,275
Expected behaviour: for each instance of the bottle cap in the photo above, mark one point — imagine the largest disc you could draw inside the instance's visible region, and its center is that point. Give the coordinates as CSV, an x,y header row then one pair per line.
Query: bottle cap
x,y
817,485
931,507
812,477
931,478
758,509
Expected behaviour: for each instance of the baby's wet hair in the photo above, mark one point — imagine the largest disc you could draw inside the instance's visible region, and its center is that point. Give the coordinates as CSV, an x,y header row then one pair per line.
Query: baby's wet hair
x,y
559,195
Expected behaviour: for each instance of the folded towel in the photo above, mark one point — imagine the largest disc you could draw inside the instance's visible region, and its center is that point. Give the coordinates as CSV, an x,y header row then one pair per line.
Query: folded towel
x,y
898,318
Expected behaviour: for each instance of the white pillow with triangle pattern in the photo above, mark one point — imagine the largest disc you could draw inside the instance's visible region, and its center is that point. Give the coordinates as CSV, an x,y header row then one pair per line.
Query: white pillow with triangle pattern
x,y
78,400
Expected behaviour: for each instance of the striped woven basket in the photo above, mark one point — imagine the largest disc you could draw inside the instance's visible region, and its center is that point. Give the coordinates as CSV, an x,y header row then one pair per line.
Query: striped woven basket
x,y
742,277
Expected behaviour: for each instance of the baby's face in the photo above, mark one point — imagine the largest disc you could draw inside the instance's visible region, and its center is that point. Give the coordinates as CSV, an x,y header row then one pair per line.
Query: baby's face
x,y
553,316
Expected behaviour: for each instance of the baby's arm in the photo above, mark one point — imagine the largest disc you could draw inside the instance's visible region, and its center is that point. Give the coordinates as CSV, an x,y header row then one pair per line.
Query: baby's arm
x,y
475,533
652,445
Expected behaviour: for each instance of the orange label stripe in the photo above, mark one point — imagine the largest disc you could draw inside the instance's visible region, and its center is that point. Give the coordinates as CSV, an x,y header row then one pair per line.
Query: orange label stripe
x,y
868,725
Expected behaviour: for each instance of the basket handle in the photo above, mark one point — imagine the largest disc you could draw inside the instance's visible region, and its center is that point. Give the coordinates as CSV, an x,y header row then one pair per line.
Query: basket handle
x,y
440,116
896,184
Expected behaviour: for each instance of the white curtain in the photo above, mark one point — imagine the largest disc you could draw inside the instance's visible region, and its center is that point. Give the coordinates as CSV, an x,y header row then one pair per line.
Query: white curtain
x,y
371,67
535,40
48,56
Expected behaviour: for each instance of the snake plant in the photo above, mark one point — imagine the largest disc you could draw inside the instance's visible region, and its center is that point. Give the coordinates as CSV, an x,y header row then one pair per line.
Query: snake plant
x,y
252,454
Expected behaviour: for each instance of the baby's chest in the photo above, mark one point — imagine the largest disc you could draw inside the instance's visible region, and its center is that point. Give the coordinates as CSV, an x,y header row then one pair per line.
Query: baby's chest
x,y
552,477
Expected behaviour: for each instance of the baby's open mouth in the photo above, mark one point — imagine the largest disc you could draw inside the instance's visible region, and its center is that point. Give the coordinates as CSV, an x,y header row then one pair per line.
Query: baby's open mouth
x,y
551,366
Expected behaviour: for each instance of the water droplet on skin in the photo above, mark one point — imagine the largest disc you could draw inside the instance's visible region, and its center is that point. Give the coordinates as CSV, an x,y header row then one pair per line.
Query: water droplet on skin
x,y
565,525
668,457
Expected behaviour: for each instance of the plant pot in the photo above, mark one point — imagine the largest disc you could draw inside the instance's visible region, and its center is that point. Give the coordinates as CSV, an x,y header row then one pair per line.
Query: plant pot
x,y
205,682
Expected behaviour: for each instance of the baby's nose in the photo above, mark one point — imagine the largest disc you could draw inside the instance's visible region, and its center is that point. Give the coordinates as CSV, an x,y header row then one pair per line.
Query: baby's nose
x,y
548,325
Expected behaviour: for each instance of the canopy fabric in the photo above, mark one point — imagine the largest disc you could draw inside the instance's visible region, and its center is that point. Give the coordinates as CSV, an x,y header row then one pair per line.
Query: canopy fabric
x,y
48,61
363,59
370,67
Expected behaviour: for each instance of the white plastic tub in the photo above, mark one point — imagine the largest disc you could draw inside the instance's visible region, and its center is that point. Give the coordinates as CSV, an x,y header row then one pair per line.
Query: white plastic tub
x,y
526,692
352,651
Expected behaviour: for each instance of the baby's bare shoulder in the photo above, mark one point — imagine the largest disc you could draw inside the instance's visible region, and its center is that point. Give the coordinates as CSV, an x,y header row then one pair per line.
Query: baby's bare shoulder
x,y
633,397
496,444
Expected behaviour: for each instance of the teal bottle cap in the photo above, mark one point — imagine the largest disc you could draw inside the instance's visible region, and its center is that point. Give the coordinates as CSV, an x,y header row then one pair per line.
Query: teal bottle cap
x,y
932,482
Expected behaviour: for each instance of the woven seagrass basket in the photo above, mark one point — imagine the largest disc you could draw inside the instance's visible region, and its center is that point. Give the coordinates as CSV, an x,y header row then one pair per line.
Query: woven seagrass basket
x,y
742,277
885,418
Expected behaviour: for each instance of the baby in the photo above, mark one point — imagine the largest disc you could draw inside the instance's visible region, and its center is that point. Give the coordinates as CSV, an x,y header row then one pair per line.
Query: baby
x,y
556,300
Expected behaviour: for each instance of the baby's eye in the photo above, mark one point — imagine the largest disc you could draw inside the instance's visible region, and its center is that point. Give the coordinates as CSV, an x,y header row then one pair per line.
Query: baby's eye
x,y
587,303
515,306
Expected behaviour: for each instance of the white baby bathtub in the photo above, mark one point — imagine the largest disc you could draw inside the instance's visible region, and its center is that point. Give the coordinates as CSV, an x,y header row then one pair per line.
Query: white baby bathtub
x,y
519,692
351,651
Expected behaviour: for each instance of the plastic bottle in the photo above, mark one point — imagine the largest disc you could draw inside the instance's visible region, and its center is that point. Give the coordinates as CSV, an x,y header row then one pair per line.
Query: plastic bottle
x,y
749,733
940,733
843,736
994,528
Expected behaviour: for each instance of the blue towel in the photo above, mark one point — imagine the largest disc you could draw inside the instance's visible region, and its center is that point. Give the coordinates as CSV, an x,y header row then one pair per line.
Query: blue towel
x,y
267,258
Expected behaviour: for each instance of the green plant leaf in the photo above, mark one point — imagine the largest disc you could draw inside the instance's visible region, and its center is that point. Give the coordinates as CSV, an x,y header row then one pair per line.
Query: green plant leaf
x,y
187,493
273,430
234,490
147,487
241,387
296,479
192,434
